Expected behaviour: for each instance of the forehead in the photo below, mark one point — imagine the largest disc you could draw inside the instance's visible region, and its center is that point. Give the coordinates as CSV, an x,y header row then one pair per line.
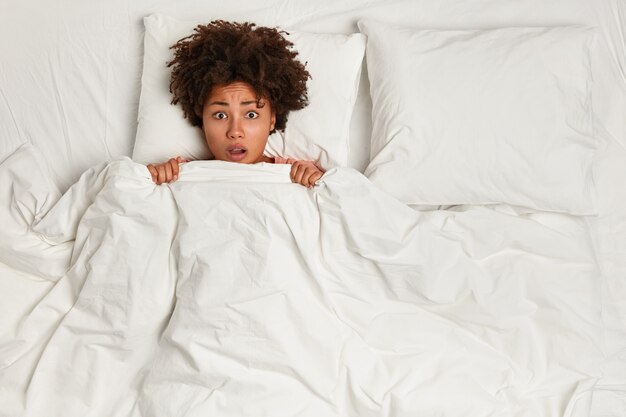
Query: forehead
x,y
236,90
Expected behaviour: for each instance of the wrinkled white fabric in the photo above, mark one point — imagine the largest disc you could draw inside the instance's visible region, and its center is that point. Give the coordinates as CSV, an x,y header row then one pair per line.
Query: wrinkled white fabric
x,y
26,194
234,292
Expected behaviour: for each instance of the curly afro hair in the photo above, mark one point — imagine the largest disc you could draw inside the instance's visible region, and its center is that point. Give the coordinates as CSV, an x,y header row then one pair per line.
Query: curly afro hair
x,y
224,52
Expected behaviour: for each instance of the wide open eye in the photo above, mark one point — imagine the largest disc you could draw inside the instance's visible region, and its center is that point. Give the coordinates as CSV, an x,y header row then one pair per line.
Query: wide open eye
x,y
252,115
219,115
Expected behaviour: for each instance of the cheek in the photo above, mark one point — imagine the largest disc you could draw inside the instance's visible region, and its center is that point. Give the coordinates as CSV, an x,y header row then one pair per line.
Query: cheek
x,y
260,134
211,125
211,134
259,129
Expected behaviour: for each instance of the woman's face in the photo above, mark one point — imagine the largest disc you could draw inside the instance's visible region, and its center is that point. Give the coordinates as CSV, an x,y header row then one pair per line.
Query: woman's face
x,y
235,129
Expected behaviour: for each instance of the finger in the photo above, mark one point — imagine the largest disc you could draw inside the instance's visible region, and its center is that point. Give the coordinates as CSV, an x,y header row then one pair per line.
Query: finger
x,y
153,172
292,173
161,174
306,177
168,171
175,169
299,174
315,177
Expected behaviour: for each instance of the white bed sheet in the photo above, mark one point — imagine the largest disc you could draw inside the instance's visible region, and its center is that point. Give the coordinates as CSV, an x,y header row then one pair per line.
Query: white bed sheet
x,y
234,283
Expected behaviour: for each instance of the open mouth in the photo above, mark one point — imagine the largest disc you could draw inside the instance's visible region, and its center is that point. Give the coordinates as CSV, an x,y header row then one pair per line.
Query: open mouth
x,y
236,153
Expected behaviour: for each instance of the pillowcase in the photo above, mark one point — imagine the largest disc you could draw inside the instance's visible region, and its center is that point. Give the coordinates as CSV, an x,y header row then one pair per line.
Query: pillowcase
x,y
318,132
482,116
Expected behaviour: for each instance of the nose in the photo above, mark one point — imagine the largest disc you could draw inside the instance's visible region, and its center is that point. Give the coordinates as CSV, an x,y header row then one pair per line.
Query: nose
x,y
235,129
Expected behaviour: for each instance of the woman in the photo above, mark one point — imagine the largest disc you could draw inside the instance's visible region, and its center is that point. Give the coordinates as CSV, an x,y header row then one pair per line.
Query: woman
x,y
238,83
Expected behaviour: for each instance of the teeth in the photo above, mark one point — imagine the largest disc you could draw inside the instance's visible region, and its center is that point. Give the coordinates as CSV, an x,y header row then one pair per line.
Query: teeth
x,y
238,150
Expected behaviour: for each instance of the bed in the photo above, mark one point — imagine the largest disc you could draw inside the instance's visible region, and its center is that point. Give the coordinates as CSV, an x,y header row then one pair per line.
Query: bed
x,y
463,255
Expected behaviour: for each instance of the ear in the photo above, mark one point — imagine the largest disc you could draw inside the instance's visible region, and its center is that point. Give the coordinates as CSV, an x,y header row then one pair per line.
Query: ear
x,y
273,121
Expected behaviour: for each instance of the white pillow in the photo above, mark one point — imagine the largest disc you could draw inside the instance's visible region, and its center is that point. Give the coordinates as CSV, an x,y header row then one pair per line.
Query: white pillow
x,y
318,132
482,116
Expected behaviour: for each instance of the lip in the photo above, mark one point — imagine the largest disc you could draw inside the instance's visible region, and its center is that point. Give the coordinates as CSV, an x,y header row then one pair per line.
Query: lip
x,y
236,157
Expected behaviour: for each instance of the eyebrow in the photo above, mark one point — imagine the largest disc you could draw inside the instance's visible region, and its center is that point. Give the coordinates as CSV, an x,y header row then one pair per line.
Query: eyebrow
x,y
223,103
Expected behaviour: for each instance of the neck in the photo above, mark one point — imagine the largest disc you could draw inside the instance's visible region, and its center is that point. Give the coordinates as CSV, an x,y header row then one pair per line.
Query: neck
x,y
267,159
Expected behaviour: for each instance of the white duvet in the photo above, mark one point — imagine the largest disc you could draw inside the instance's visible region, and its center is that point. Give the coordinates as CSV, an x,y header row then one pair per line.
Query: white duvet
x,y
233,292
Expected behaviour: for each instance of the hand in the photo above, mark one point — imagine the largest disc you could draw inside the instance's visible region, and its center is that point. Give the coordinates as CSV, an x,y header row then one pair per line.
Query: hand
x,y
167,171
305,173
